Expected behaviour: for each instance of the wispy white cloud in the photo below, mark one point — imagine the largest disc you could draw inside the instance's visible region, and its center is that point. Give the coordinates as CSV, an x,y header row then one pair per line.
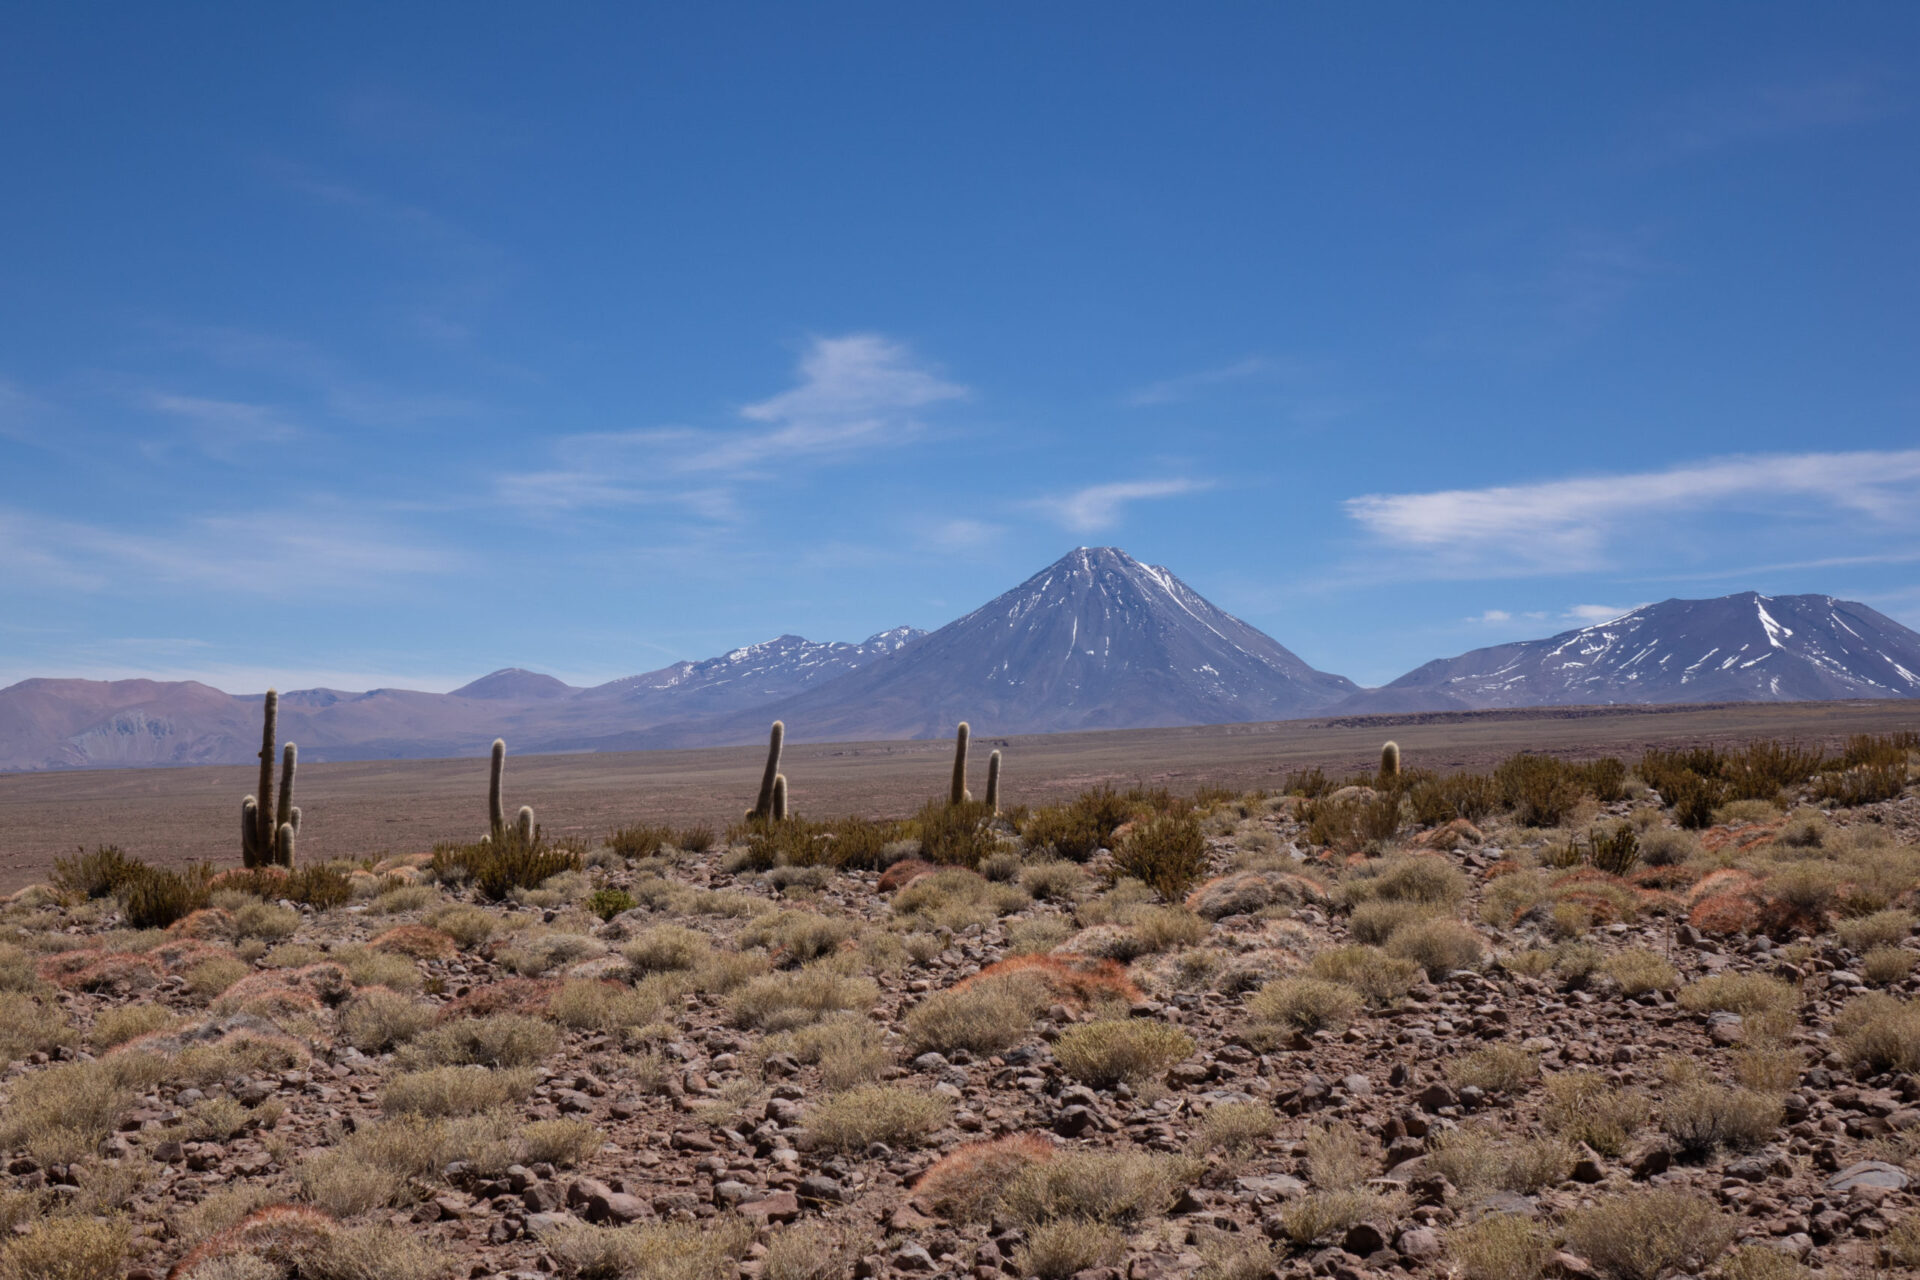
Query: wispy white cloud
x,y
222,428
1187,385
962,535
1492,617
1783,109
1101,506
854,394
260,554
1587,615
1566,525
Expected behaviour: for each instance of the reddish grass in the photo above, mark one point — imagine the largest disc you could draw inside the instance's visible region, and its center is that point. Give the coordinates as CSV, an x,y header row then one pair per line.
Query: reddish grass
x,y
91,970
206,923
903,873
1079,980
416,942
1725,913
967,1176
526,996
324,983
281,1233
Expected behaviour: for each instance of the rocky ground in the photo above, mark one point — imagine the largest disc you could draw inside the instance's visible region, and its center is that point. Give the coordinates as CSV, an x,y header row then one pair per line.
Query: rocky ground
x,y
1437,1054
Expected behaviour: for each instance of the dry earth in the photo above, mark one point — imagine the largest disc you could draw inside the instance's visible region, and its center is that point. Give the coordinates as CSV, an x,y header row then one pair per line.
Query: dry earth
x,y
370,809
1441,1053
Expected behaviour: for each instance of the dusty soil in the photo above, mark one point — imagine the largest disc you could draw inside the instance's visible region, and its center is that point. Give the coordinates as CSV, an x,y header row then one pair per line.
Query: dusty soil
x,y
170,816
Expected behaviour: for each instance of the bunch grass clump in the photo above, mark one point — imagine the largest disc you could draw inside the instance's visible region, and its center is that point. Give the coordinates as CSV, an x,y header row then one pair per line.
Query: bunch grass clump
x,y
1112,1051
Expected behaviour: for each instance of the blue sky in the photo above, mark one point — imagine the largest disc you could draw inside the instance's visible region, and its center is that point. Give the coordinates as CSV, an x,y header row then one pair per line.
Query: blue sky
x,y
408,342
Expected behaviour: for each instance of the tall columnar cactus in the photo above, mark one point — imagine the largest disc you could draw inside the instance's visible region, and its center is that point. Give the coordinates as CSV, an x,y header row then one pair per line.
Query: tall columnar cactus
x,y
763,804
267,832
779,810
496,807
1390,760
993,782
958,793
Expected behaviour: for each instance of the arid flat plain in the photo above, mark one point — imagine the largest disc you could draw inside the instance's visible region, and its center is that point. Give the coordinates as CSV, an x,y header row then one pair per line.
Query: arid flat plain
x,y
372,807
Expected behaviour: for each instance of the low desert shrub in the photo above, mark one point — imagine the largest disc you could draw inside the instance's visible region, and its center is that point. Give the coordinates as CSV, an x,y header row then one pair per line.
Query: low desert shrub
x,y
1641,1235
1884,966
1064,1247
608,1007
1478,1159
1501,1246
1742,993
796,937
1380,977
986,1016
1887,928
1702,1118
1117,1187
117,1026
67,1248
1375,921
1112,1051
608,902
564,1142
497,868
1075,830
468,926
666,948
379,1019
1168,854
1327,1215
214,975
1540,790
708,1250
1439,946
1496,1069
61,1114
783,1001
1879,1032
1668,847
1585,1106
95,875
1236,1127
455,1091
1424,878
153,898
959,835
30,1025
808,1251
266,921
1305,1004
496,1040
1639,971
855,1120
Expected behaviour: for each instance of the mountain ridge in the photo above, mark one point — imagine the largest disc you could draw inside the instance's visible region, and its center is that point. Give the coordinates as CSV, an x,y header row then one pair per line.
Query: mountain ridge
x,y
1096,640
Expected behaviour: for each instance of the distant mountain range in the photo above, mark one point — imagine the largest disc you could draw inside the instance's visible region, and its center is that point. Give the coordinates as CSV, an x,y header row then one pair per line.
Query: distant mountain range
x,y
1097,640
1739,648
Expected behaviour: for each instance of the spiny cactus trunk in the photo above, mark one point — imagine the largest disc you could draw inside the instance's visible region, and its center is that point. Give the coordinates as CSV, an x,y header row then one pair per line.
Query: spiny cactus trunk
x,y
524,824
286,818
763,803
1390,760
257,847
496,812
957,793
779,797
993,783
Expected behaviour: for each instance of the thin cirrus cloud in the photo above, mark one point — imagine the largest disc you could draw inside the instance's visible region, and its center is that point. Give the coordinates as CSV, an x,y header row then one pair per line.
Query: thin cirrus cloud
x,y
223,428
855,392
265,554
1102,506
1558,526
1188,385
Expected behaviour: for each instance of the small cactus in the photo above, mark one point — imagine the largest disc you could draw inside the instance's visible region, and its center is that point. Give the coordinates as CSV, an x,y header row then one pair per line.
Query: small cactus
x,y
993,783
1390,760
779,811
496,807
763,805
958,793
266,833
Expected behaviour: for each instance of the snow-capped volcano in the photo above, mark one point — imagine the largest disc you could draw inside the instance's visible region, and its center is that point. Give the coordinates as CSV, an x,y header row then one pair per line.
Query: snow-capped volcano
x,y
1096,640
1738,648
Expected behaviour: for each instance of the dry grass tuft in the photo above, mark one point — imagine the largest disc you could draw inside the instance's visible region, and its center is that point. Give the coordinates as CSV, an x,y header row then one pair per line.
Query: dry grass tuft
x,y
1111,1051
855,1120
1305,1004
967,1184
1641,1235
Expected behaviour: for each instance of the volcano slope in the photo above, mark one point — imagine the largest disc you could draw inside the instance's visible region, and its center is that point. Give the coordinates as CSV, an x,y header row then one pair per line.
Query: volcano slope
x,y
1512,1024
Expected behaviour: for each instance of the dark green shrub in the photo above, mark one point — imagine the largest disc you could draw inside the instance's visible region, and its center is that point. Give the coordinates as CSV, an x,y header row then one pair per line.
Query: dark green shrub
x,y
1310,783
154,898
956,834
1540,790
1693,799
1168,854
320,886
608,903
640,840
498,867
1613,852
95,875
1862,784
1605,779
697,839
1077,829
1763,769
1879,749
1437,801
1352,823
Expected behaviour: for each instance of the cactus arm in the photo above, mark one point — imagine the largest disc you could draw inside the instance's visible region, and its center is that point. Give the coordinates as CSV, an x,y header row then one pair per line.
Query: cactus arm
x,y
269,736
776,739
496,813
779,805
993,782
957,793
